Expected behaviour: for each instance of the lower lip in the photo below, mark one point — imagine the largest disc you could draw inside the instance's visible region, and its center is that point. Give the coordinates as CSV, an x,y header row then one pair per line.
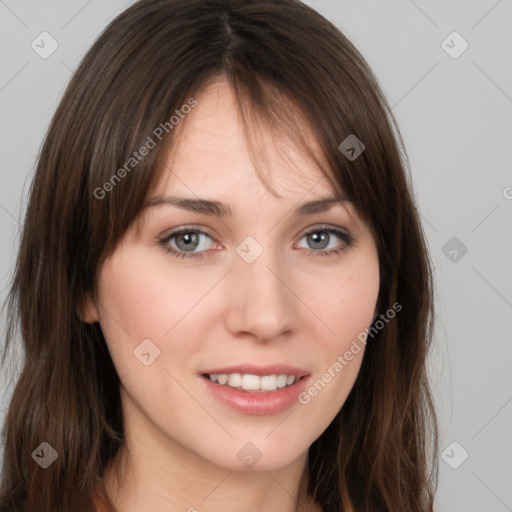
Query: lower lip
x,y
257,402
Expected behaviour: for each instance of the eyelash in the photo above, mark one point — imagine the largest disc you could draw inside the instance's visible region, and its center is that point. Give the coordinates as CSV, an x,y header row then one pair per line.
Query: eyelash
x,y
347,238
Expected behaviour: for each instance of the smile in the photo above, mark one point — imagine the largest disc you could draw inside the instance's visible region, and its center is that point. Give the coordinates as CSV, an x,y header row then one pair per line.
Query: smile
x,y
256,389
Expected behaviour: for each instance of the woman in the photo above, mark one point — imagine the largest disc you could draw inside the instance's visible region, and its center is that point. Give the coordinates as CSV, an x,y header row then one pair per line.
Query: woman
x,y
223,288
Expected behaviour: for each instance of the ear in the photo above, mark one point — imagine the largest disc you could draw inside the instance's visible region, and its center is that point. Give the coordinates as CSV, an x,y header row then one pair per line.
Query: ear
x,y
89,313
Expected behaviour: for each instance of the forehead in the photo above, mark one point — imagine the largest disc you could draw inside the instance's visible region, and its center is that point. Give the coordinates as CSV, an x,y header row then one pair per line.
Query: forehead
x,y
212,152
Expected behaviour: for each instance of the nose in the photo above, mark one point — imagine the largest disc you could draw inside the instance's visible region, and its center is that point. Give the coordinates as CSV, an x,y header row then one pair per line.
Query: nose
x,y
261,303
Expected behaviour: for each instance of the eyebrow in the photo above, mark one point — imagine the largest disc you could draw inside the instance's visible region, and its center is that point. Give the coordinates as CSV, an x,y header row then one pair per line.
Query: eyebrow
x,y
210,207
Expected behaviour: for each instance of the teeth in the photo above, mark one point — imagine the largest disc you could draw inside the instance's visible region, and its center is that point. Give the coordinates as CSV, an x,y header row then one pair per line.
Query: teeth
x,y
235,380
282,380
249,382
269,382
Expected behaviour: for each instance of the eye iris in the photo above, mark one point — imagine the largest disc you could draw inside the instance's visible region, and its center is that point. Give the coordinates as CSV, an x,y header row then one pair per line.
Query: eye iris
x,y
192,241
315,238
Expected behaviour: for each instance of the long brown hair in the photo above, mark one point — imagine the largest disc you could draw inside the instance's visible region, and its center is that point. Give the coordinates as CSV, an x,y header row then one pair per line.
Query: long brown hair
x,y
278,55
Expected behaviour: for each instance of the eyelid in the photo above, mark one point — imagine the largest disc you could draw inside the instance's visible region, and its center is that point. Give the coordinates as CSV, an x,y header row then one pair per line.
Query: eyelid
x,y
185,229
326,227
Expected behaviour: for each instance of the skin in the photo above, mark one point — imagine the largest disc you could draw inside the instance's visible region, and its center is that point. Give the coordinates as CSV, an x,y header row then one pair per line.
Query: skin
x,y
288,306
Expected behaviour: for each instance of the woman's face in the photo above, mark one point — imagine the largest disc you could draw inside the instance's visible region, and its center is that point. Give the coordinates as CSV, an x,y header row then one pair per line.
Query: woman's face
x,y
264,297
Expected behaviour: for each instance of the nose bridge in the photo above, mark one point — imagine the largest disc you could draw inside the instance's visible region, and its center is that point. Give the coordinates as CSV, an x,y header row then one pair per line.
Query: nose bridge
x,y
260,304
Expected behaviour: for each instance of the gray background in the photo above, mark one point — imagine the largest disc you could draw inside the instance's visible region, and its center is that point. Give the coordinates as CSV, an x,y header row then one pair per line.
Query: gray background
x,y
455,115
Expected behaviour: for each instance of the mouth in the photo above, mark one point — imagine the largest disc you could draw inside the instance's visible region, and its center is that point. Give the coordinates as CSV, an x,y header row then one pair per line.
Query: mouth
x,y
256,390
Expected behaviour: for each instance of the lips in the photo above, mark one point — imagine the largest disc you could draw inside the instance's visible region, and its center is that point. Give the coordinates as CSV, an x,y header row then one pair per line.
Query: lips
x,y
256,389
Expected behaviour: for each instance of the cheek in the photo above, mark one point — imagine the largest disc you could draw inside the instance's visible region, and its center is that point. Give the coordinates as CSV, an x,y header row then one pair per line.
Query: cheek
x,y
143,293
347,307
347,302
138,301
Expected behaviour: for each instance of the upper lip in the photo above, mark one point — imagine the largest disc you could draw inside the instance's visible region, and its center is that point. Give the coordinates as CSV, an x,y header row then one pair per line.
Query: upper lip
x,y
256,369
